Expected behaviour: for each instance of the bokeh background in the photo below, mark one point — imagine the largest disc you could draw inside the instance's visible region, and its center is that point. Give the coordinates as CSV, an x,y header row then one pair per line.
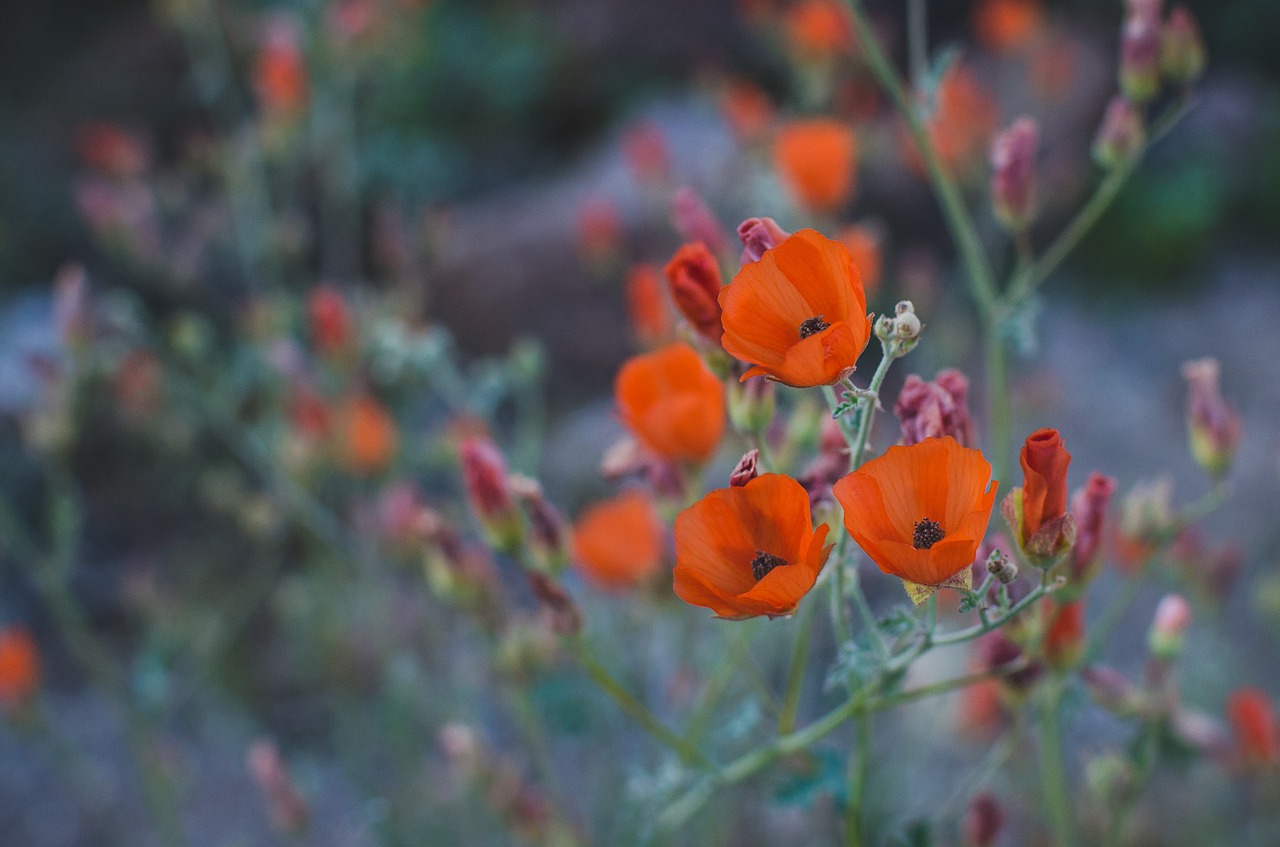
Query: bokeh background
x,y
493,168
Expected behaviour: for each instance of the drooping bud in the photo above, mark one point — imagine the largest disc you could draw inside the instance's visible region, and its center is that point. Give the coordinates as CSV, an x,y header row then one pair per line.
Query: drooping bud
x,y
1089,508
1037,512
693,276
1121,135
935,409
19,668
1214,426
1182,54
285,804
695,221
759,235
983,820
484,473
746,470
1064,633
996,652
1173,616
1253,722
1140,57
1013,177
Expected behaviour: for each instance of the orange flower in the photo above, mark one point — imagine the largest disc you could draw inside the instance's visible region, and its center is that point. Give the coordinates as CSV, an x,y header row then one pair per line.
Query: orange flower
x,y
749,551
19,667
369,433
920,512
1037,512
964,119
1004,26
646,305
617,543
798,314
672,402
817,159
280,72
694,277
1253,721
747,109
819,29
863,244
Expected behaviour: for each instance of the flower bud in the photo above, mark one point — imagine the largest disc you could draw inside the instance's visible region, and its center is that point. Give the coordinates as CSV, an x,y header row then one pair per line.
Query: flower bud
x,y
72,309
751,404
1173,616
330,320
906,326
1214,426
1064,633
1111,778
558,607
1037,512
1253,722
484,473
935,409
983,821
904,307
695,221
1013,178
548,531
1146,514
1089,508
1121,135
19,668
759,235
1112,690
285,804
1002,567
885,328
1182,54
746,469
1140,50
693,277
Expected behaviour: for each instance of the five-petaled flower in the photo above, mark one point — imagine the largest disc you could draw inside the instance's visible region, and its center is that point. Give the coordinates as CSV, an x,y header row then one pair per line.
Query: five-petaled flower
x,y
748,551
799,314
920,512
672,403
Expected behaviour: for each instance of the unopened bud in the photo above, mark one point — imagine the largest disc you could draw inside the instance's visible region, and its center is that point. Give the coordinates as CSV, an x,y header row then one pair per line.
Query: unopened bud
x,y
1013,177
1140,50
1089,508
1121,135
548,530
885,327
695,221
1182,54
904,307
751,404
1112,690
558,607
746,470
759,235
1111,778
693,278
1064,633
1173,616
285,804
484,471
1002,567
1214,426
983,821
906,326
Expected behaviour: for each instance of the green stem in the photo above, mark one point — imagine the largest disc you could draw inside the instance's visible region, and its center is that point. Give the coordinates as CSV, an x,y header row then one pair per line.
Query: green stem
x,y
638,712
795,677
918,39
999,402
859,765
1053,774
980,629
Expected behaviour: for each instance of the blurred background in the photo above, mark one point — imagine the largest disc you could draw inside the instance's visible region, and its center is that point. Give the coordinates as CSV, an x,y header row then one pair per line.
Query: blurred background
x,y
478,179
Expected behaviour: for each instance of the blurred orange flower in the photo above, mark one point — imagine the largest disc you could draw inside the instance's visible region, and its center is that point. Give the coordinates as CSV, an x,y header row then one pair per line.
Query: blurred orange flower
x,y
617,543
1064,632
863,244
280,72
1004,26
672,402
19,667
369,435
647,306
329,318
819,29
1253,721
694,277
747,109
964,120
921,511
799,314
751,550
817,160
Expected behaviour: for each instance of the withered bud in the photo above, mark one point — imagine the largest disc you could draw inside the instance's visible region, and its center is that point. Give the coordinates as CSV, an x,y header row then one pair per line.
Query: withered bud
x,y
1182,53
558,607
746,469
983,820
1013,174
1002,567
1121,135
935,409
759,235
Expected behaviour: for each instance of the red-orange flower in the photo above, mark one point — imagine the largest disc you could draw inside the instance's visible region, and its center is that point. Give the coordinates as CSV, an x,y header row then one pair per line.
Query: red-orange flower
x,y
964,119
1007,25
819,29
672,402
694,277
921,511
747,109
329,318
1037,512
646,305
799,315
817,161
1253,721
19,667
370,437
751,550
280,73
617,543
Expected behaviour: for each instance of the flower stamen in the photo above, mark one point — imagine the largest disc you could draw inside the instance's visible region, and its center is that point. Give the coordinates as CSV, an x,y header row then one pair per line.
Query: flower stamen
x,y
927,533
765,562
813,326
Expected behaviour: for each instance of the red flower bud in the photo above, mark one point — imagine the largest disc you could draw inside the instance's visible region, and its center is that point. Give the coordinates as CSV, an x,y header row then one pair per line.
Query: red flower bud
x,y
1182,54
1253,721
983,821
647,305
484,472
1037,512
696,222
330,319
19,668
746,469
1064,634
694,279
1089,507
1214,426
1121,135
1013,178
934,409
759,235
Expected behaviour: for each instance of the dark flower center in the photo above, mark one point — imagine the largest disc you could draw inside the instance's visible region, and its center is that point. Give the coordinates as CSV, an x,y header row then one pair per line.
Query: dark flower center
x,y
927,534
765,562
812,326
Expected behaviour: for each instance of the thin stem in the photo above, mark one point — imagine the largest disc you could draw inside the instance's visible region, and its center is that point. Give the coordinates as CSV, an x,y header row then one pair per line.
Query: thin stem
x,y
996,622
795,677
1055,791
859,765
999,401
918,39
639,712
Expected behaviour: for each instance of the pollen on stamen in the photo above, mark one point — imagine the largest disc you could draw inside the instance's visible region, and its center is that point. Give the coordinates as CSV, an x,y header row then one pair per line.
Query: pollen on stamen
x,y
813,326
927,533
765,562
